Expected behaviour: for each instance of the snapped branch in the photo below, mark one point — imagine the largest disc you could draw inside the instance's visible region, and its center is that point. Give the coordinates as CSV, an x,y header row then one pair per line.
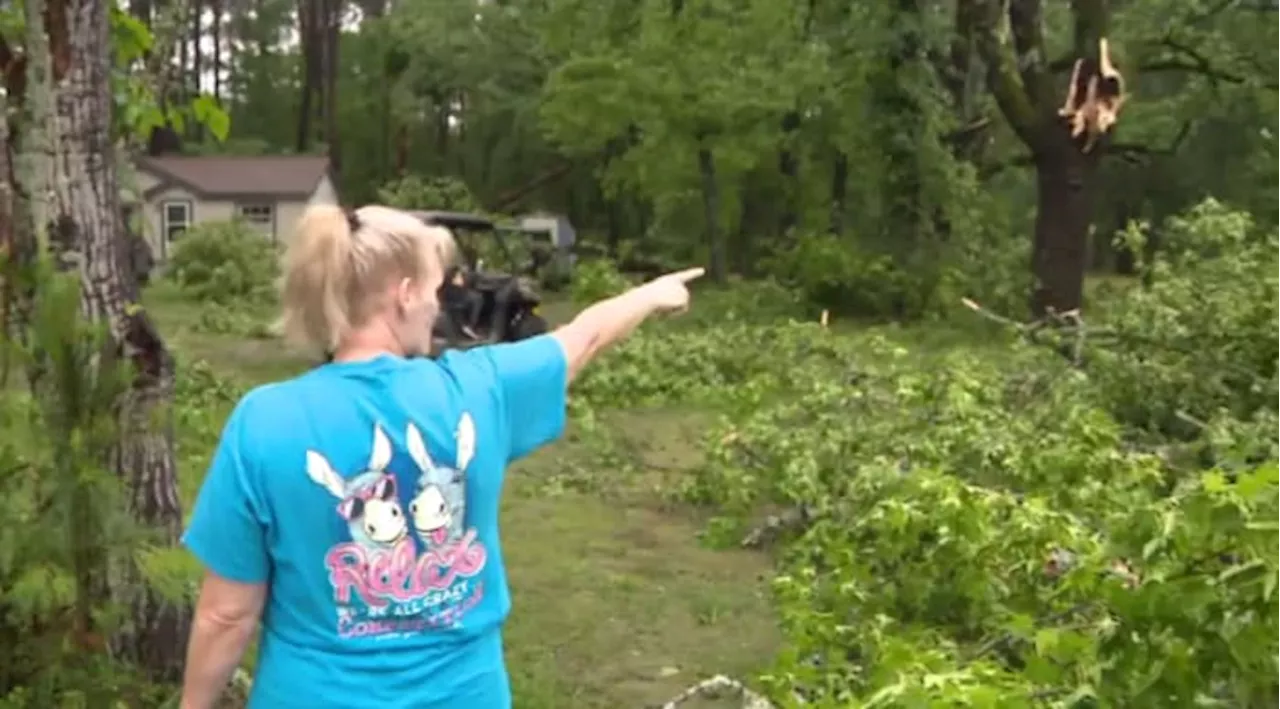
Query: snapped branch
x,y
1094,97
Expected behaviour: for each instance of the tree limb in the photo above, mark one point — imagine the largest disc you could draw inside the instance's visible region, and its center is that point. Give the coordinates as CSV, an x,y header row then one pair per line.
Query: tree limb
x,y
1003,78
1133,153
1026,19
1188,60
1089,28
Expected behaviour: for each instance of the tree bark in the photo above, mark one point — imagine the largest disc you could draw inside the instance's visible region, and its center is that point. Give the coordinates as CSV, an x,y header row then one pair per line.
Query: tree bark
x,y
1064,213
195,129
718,263
789,171
84,219
332,42
216,7
308,21
839,190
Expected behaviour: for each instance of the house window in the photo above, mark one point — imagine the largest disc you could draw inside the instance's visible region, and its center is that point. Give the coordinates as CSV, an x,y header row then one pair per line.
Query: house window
x,y
257,214
176,218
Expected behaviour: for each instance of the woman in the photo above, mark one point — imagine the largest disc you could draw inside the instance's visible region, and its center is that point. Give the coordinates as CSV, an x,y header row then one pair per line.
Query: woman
x,y
354,509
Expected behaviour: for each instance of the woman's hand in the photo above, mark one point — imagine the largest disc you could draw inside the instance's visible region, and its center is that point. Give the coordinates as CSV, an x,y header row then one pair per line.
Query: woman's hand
x,y
670,293
610,320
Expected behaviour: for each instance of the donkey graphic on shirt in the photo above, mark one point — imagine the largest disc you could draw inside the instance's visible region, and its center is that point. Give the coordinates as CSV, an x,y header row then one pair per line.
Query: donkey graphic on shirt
x,y
387,582
367,502
439,506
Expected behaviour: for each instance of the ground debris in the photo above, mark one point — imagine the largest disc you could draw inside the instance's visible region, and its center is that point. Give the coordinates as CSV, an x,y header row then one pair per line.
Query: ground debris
x,y
718,687
790,521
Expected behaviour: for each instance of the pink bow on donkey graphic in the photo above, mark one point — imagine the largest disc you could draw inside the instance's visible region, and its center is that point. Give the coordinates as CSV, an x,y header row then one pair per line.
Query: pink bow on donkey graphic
x,y
367,501
439,507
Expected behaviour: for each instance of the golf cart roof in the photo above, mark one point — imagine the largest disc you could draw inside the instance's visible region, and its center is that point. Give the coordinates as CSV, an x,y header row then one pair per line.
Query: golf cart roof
x,y
455,220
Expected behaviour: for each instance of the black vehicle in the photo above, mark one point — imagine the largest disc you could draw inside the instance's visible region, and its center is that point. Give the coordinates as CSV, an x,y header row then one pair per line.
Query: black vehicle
x,y
479,307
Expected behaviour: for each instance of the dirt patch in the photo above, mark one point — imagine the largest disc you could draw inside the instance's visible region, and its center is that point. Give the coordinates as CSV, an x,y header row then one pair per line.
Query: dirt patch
x,y
629,605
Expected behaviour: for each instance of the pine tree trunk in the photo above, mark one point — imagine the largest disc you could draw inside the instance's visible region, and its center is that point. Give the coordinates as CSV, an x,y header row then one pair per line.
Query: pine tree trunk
x,y
85,222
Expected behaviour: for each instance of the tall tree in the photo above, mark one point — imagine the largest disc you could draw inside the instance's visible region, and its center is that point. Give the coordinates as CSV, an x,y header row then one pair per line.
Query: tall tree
x,y
66,178
311,32
331,15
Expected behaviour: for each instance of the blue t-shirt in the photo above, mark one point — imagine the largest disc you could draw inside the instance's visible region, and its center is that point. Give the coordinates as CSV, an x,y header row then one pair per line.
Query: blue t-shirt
x,y
366,495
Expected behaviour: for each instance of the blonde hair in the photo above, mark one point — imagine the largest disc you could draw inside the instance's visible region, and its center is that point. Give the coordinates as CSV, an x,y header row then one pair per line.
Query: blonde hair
x,y
333,278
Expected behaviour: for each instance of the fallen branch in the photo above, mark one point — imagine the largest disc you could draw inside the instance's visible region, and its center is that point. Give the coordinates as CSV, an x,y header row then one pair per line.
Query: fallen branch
x,y
716,688
774,526
1066,324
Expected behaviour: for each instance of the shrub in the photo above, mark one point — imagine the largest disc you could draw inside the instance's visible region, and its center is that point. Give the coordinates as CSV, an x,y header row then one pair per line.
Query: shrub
x,y
225,263
1199,339
432,193
67,526
596,279
837,275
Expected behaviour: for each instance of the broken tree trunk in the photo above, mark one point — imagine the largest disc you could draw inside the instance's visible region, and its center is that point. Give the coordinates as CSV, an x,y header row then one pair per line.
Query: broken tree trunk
x,y
73,182
1064,212
1062,137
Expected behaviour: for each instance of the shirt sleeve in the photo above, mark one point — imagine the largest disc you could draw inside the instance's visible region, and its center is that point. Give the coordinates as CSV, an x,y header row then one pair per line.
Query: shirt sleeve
x,y
531,381
227,531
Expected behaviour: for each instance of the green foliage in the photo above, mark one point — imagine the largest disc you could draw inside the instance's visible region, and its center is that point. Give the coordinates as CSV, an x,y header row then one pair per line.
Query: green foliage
x,y
138,110
222,319
1199,339
225,263
596,279
848,280
999,527
444,194
759,302
67,515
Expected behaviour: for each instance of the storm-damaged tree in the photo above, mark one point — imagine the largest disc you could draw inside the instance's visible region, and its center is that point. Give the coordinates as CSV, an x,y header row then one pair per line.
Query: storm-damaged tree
x,y
61,163
1066,138
1066,124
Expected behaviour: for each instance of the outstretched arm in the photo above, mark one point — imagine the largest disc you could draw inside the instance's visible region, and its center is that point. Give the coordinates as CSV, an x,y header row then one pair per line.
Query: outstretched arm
x,y
609,321
529,378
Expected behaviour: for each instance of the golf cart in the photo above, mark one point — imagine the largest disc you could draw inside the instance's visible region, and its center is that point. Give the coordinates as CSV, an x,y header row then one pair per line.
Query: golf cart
x,y
479,307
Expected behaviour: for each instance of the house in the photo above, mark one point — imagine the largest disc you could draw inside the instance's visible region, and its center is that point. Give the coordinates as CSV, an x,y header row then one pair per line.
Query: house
x,y
267,192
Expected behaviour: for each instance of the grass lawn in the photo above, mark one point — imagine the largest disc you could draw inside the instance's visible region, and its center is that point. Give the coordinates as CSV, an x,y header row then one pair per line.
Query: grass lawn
x,y
615,603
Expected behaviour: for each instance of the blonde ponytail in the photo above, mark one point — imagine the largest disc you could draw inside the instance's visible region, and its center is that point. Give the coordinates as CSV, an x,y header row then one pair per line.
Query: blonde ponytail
x,y
332,275
317,277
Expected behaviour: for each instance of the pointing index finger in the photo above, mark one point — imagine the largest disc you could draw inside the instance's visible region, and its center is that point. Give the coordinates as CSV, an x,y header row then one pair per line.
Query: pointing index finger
x,y
689,274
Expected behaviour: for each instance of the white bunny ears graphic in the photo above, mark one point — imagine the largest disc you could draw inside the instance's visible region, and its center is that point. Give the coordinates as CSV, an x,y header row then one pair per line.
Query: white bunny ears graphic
x,y
323,474
465,436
